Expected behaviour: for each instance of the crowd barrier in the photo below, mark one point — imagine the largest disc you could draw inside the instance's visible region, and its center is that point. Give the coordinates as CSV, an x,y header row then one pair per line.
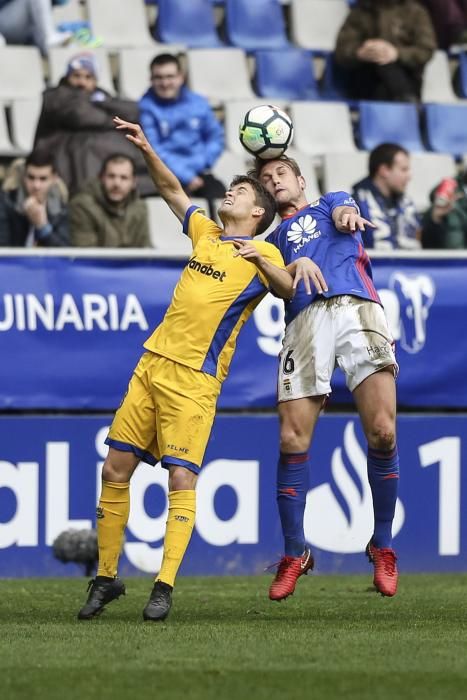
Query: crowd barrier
x,y
72,329
50,480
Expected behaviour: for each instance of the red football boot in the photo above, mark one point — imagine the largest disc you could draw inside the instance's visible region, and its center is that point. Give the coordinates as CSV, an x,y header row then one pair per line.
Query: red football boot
x,y
289,570
385,568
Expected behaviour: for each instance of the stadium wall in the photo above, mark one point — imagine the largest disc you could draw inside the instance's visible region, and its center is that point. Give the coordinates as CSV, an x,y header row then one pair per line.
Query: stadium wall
x,y
71,328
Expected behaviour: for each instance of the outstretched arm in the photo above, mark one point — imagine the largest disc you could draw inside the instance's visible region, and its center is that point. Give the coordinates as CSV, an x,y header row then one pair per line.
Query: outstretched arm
x,y
280,280
167,184
348,220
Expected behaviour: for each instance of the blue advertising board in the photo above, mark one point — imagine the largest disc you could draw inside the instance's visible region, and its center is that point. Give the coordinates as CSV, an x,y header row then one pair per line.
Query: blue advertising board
x,y
50,475
72,329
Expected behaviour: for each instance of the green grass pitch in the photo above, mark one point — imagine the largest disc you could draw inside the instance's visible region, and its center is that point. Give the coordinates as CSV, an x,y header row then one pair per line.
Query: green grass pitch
x,y
335,638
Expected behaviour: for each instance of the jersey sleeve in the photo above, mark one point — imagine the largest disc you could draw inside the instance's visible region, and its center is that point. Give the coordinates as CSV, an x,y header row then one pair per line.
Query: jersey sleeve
x,y
272,255
196,224
339,199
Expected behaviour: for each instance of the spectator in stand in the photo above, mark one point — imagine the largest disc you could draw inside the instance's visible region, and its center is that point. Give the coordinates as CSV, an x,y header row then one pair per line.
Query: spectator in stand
x,y
384,45
382,199
449,19
182,128
445,224
108,212
33,204
76,123
30,22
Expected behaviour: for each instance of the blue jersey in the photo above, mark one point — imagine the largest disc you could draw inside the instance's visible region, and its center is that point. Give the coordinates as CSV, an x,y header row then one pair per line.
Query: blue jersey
x,y
341,257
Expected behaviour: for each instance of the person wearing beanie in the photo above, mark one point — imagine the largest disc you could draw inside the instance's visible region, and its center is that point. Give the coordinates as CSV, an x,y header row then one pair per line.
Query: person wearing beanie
x,y
76,123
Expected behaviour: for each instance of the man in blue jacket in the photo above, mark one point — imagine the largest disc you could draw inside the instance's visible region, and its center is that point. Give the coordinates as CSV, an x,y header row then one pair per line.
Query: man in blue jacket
x,y
182,128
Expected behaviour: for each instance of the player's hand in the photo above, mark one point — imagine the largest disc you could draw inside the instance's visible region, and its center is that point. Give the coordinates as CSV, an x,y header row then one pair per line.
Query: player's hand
x,y
348,220
247,250
135,134
311,275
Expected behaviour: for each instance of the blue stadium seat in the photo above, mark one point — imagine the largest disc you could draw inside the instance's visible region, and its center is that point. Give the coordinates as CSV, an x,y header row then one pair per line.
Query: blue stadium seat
x,y
463,74
393,122
285,73
446,128
255,25
190,23
334,81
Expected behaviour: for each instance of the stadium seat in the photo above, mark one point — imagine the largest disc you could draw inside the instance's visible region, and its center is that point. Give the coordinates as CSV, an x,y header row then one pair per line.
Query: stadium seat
x,y
6,147
463,74
389,122
255,25
219,74
342,170
165,230
70,11
134,74
230,164
21,72
314,24
234,111
427,171
122,28
308,171
446,130
191,23
24,118
285,73
322,127
59,57
333,84
437,82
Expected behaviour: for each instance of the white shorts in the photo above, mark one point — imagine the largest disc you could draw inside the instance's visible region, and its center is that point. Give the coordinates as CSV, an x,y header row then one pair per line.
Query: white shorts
x,y
343,331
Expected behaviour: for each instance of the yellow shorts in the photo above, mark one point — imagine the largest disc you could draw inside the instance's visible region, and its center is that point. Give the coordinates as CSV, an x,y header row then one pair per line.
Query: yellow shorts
x,y
166,414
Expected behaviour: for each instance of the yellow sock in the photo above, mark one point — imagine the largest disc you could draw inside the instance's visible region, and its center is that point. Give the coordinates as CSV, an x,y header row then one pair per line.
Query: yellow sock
x,y
112,516
180,522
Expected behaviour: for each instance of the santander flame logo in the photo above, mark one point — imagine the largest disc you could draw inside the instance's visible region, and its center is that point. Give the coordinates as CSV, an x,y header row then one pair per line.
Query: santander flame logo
x,y
332,527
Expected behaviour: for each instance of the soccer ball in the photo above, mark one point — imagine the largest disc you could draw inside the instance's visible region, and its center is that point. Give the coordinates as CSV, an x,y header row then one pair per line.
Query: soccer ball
x,y
266,131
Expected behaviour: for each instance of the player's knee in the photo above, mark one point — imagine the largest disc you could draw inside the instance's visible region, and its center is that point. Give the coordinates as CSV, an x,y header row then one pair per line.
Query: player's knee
x,y
293,439
382,436
118,467
181,479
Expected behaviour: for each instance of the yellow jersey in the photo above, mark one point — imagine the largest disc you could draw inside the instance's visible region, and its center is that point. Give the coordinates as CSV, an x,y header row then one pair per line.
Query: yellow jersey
x,y
216,293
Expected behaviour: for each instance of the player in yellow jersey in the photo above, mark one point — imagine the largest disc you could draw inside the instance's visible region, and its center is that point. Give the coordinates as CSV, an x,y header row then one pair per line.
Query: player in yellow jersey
x,y
167,413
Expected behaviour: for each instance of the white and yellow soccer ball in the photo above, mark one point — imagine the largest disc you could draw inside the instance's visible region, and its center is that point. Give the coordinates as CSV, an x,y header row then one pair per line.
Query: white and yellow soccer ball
x,y
266,131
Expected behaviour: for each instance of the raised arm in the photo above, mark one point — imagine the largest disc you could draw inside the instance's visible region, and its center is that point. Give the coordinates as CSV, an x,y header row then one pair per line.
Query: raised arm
x,y
167,184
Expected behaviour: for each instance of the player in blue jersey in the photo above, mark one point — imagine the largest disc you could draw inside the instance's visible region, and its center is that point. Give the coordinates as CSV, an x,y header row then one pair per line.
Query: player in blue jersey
x,y
340,323
168,410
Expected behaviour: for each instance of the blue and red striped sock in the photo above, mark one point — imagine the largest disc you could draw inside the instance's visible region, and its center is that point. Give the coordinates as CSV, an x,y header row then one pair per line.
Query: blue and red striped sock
x,y
292,487
383,476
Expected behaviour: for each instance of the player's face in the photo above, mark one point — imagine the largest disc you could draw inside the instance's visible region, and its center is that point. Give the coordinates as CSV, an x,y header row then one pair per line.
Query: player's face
x,y
238,203
118,181
284,185
167,81
37,180
83,79
398,175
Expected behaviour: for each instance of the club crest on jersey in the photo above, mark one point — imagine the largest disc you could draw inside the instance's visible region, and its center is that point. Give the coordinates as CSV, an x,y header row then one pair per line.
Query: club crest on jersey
x,y
302,231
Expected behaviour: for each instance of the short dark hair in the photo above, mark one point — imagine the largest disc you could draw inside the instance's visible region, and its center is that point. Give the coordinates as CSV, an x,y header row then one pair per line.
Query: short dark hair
x,y
116,158
261,162
40,158
262,199
384,154
163,59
